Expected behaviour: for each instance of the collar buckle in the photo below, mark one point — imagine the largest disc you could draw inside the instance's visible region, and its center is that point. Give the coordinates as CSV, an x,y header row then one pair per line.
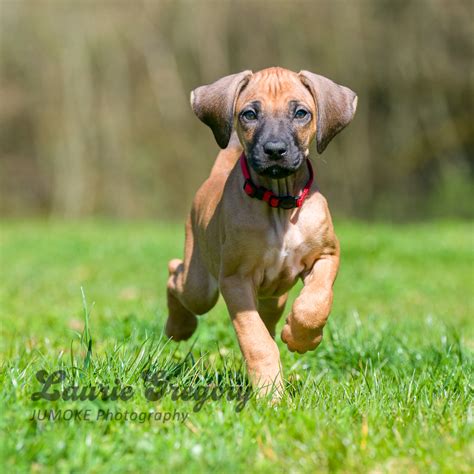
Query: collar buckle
x,y
287,202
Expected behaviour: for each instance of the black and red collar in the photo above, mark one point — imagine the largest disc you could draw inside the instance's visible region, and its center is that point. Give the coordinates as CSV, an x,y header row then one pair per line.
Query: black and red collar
x,y
264,194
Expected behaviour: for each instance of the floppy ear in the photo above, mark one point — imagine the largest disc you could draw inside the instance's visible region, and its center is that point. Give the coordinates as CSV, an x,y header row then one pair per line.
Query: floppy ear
x,y
335,104
214,104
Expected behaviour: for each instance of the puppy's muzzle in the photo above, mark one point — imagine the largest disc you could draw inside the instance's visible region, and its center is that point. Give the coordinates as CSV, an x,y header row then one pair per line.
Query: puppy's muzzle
x,y
275,150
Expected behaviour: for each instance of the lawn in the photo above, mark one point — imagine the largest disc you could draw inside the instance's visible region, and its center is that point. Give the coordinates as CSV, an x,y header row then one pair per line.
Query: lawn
x,y
388,390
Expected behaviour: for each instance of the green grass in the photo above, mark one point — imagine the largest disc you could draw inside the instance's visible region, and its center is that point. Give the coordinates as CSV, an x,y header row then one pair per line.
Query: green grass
x,y
389,389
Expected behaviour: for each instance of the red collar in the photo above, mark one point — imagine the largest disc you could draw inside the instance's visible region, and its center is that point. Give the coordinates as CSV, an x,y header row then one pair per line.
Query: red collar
x,y
264,194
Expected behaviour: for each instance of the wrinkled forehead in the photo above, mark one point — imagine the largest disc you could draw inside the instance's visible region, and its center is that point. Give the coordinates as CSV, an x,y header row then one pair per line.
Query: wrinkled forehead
x,y
275,88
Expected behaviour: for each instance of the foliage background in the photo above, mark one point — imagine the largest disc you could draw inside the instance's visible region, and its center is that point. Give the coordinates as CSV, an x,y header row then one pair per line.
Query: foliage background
x,y
95,120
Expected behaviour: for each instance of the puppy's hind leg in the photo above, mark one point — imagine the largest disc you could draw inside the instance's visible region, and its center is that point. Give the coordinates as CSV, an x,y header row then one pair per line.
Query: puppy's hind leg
x,y
181,323
191,290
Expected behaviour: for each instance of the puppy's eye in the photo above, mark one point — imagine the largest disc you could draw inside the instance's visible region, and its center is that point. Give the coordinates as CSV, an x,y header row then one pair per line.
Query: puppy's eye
x,y
301,114
249,115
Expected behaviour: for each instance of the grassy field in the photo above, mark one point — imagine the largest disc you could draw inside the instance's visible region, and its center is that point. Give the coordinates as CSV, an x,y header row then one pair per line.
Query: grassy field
x,y
388,390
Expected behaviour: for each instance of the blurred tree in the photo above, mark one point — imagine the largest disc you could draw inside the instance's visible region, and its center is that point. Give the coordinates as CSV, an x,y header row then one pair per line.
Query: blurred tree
x,y
94,114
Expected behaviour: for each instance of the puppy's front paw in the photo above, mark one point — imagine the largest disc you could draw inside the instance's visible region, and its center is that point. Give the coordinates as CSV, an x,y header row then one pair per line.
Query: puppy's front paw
x,y
300,338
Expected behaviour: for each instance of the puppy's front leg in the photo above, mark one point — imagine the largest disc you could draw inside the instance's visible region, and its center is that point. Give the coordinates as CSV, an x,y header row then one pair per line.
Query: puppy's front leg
x,y
303,330
257,345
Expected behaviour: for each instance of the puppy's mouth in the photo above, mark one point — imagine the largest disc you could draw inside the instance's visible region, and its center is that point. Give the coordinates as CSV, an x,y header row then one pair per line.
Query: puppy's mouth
x,y
276,172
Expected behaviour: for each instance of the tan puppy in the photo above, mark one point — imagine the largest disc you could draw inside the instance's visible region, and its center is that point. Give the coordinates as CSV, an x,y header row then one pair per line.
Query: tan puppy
x,y
249,251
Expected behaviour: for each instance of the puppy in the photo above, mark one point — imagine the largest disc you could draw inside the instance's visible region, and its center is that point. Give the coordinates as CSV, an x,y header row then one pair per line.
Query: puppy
x,y
258,223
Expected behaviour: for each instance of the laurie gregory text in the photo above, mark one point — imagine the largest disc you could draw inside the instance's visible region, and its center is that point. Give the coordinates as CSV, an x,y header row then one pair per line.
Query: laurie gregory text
x,y
156,386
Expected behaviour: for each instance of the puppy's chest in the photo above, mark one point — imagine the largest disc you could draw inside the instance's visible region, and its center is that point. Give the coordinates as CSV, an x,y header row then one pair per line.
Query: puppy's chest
x,y
284,253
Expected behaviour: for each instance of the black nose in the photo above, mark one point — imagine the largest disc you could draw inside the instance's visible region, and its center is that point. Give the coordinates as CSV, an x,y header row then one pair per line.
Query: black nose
x,y
275,150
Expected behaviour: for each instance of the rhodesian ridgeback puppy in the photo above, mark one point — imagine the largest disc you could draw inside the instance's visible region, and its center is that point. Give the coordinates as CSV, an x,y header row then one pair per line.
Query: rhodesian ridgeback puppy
x,y
258,223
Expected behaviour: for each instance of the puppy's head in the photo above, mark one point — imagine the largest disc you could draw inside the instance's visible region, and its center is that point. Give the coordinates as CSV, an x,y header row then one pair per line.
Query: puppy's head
x,y
276,113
